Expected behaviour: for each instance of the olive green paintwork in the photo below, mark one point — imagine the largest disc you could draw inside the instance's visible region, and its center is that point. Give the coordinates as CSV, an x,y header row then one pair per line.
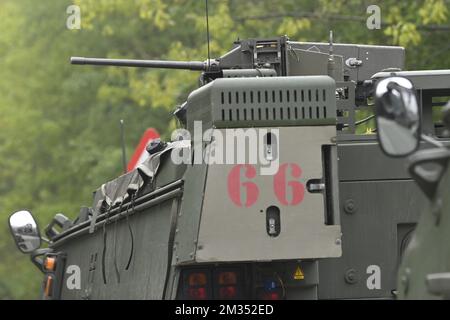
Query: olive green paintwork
x,y
428,252
304,234
182,218
424,272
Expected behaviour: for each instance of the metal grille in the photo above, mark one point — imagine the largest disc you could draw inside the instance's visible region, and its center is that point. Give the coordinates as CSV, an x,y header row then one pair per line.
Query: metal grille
x,y
256,105
289,102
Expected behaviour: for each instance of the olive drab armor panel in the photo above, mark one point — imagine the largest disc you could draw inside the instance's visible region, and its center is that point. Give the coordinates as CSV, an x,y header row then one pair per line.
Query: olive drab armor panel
x,y
234,226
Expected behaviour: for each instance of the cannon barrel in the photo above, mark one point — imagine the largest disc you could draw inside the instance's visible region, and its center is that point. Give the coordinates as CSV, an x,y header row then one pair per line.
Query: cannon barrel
x,y
183,65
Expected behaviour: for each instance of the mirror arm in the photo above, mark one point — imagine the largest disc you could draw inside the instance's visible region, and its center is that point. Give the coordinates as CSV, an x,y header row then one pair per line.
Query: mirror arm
x,y
36,257
428,179
432,141
45,240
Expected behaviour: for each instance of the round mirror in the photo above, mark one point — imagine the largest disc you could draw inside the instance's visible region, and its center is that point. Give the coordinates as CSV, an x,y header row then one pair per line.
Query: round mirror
x,y
25,231
398,119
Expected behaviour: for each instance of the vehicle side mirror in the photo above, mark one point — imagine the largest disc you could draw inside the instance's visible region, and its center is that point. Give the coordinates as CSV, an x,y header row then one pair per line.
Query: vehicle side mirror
x,y
398,117
25,231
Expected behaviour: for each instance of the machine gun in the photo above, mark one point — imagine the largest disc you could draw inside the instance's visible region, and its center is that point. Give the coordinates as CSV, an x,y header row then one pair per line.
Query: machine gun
x,y
211,69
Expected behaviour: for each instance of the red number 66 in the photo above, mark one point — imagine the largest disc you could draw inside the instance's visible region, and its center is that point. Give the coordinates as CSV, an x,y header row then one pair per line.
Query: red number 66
x,y
236,187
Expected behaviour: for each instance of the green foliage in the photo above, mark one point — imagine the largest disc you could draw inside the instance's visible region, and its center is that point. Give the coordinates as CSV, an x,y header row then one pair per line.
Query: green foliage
x,y
59,124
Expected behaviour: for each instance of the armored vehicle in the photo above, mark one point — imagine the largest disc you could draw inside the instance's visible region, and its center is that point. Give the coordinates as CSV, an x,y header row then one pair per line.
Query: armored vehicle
x,y
267,193
425,269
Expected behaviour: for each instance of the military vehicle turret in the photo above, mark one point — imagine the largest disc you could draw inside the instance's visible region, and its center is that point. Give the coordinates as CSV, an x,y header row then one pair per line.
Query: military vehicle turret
x,y
267,192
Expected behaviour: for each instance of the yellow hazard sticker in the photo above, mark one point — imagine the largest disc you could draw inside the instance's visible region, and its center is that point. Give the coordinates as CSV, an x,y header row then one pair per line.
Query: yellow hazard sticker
x,y
299,275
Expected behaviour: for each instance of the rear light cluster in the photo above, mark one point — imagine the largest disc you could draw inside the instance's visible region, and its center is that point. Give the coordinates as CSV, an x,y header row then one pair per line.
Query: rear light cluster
x,y
227,282
270,296
197,286
203,284
271,290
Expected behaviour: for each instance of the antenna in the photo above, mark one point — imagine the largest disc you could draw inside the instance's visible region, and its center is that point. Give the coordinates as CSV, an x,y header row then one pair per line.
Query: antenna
x,y
207,32
331,43
124,152
331,62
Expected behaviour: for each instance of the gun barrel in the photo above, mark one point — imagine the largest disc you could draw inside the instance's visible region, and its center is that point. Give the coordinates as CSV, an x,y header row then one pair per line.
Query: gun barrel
x,y
191,65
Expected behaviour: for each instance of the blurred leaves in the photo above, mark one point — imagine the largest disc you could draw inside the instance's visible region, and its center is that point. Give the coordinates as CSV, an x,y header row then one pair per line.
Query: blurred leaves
x,y
434,11
403,34
294,28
